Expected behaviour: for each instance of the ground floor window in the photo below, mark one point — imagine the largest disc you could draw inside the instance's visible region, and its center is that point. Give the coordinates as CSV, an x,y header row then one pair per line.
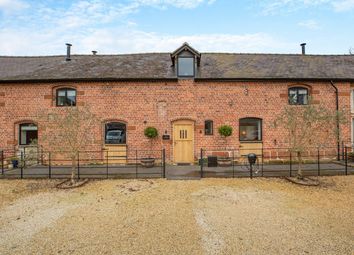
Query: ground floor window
x,y
115,133
28,134
250,129
208,127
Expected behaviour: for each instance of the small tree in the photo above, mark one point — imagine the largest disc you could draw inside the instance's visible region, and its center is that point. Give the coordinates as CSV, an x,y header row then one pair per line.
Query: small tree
x,y
225,131
151,133
307,126
69,130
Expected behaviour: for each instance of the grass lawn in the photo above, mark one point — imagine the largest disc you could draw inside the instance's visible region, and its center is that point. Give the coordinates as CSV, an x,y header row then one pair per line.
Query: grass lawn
x,y
210,216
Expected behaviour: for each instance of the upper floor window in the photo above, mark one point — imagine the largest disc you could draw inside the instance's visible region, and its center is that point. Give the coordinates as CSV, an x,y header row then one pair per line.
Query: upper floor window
x,y
250,129
28,134
185,66
115,133
208,127
298,95
66,97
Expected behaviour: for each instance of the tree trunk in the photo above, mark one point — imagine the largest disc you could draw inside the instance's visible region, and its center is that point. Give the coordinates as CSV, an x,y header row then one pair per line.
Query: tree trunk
x,y
73,167
299,166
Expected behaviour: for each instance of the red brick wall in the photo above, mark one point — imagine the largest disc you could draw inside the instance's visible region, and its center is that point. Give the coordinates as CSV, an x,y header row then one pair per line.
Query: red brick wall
x,y
159,103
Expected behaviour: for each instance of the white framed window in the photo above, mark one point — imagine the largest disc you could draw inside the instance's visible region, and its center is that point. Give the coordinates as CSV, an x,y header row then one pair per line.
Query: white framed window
x,y
185,67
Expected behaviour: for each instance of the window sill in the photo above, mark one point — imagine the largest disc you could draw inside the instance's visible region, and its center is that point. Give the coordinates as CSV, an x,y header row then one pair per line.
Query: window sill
x,y
260,141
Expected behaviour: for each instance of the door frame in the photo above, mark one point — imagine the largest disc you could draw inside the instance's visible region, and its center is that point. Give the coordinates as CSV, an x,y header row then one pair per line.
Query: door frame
x,y
182,121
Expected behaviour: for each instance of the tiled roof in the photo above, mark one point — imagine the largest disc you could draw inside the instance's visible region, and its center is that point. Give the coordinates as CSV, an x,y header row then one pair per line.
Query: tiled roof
x,y
159,66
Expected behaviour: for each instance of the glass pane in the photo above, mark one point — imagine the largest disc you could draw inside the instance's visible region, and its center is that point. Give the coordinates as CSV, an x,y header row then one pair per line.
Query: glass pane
x,y
303,91
71,93
71,100
61,93
185,67
208,128
115,133
28,133
302,99
23,137
250,130
292,96
61,100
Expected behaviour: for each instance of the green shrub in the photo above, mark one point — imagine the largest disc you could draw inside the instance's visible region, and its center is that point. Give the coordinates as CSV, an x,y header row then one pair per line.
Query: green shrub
x,y
150,132
225,130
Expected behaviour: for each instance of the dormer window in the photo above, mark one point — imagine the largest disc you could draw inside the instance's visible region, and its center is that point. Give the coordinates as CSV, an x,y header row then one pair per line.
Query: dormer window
x,y
187,60
185,66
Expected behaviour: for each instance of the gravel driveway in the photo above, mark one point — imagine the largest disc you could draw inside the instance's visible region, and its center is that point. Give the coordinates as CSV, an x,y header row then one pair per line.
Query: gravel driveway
x,y
209,216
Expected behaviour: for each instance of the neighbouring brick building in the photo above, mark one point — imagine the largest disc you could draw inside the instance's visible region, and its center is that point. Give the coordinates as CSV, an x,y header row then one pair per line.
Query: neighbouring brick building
x,y
185,95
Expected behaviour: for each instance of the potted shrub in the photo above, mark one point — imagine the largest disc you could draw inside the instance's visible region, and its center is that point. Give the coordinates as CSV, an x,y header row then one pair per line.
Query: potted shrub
x,y
150,133
225,131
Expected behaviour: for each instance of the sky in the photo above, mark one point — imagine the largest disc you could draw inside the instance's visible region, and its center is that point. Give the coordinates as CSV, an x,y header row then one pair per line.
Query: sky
x,y
38,27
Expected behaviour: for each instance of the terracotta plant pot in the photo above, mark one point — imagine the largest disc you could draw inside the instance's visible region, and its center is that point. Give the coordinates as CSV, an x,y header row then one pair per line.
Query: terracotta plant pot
x,y
147,162
223,162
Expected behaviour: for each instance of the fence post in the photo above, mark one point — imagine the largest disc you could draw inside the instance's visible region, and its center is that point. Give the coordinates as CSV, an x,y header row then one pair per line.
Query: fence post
x,y
24,157
346,159
291,165
163,163
107,164
201,162
262,160
41,155
233,163
78,165
21,163
50,165
342,150
318,162
251,171
136,164
2,162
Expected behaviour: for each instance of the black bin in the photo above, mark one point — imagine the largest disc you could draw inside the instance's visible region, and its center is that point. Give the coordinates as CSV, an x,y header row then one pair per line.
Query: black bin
x,y
212,161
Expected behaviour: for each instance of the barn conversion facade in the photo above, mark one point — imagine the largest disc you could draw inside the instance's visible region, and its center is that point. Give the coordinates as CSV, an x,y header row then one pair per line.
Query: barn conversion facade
x,y
186,95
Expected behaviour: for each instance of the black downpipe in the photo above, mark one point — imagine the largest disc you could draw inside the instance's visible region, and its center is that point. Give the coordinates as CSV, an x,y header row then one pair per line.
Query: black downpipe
x,y
337,109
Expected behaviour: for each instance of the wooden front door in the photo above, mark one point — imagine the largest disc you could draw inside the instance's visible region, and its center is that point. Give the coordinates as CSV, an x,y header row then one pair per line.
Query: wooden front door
x,y
254,147
115,153
183,141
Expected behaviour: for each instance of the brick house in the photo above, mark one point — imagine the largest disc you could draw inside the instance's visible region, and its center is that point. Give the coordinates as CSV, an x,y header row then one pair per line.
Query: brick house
x,y
186,95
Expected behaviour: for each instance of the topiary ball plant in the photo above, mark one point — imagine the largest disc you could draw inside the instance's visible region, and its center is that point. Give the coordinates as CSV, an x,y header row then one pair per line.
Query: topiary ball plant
x,y
225,130
150,132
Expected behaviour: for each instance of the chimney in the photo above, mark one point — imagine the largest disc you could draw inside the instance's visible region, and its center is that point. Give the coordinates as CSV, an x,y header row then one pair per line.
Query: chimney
x,y
303,48
68,45
94,52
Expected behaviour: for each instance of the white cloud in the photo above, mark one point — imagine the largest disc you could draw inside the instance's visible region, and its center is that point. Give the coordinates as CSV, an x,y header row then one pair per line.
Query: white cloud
x,y
10,6
187,4
342,6
121,40
270,7
310,24
98,25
